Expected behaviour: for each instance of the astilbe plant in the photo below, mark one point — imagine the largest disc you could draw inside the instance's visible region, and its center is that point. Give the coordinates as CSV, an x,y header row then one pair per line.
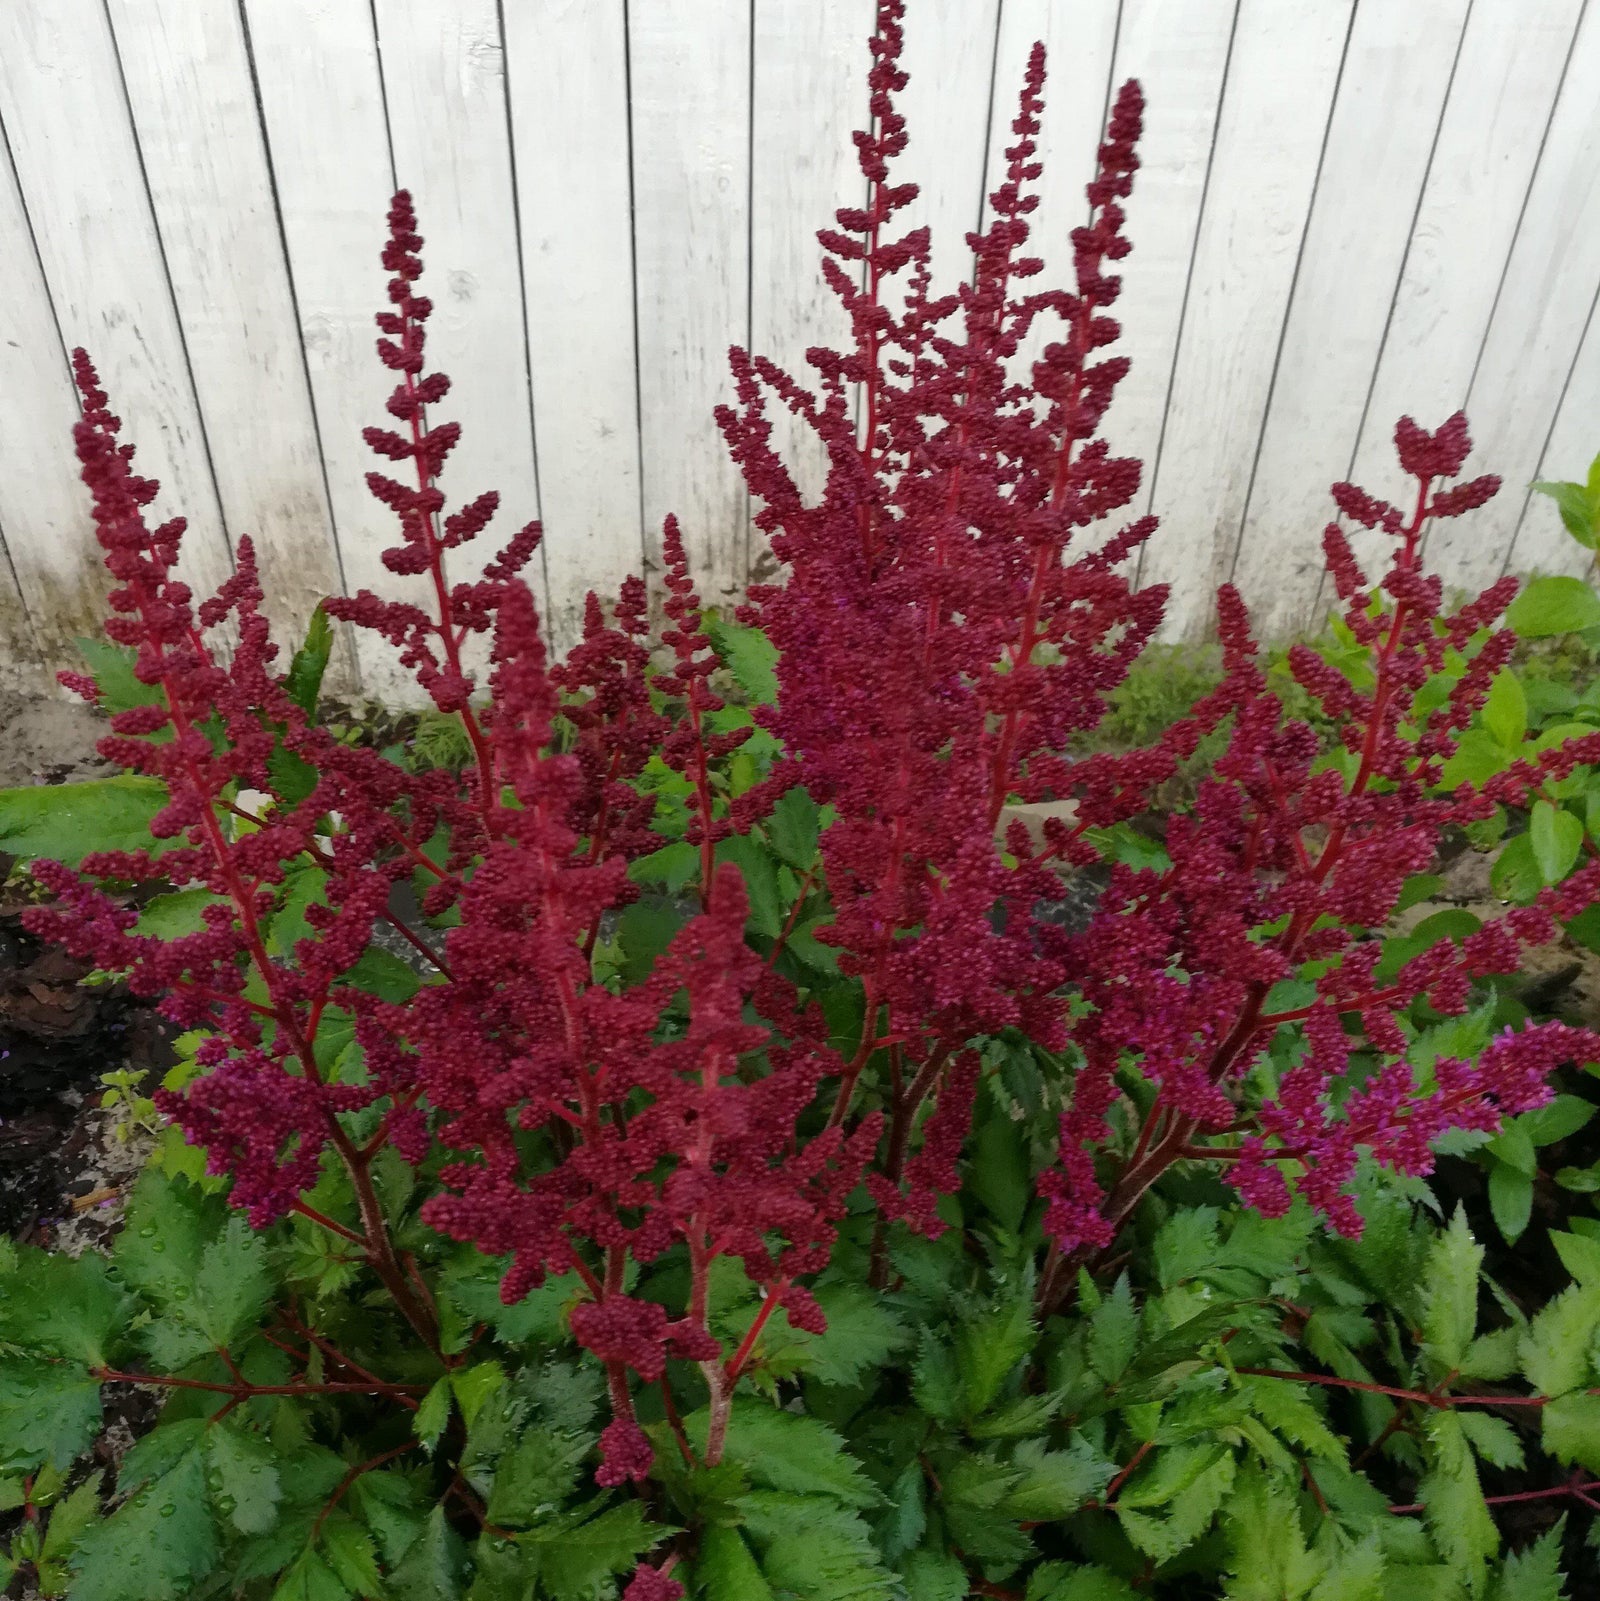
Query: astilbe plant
x,y
954,613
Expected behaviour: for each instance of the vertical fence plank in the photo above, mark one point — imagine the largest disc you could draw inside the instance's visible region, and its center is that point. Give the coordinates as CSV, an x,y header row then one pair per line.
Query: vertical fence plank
x,y
1539,323
78,167
1542,543
316,64
567,78
690,116
194,108
444,82
1355,244
1178,50
51,582
1448,256
1286,62
810,93
1513,55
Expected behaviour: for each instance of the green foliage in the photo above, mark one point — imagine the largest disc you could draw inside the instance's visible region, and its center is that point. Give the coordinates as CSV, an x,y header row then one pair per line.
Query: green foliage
x,y
939,1434
65,822
1229,1405
1578,504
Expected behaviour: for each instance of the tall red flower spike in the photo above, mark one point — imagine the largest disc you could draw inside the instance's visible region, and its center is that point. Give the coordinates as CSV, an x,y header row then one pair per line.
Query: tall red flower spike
x,y
954,616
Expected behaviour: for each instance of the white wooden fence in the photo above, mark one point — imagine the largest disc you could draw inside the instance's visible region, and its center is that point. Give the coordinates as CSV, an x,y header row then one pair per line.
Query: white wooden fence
x,y
1348,209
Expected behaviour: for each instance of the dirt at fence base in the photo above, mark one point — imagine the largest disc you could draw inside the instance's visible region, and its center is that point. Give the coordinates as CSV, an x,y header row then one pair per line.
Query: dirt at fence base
x,y
45,739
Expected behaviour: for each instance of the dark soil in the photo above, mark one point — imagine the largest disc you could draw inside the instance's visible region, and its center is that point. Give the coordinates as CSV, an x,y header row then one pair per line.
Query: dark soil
x,y
59,1157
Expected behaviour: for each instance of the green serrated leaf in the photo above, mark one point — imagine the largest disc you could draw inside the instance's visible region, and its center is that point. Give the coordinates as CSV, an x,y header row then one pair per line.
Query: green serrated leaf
x,y
1558,1119
66,822
309,1578
161,1542
1478,756
862,1334
352,1555
988,1348
726,1570
1579,506
787,1452
1185,1516
245,1477
1185,1245
1113,1332
760,881
63,1306
644,931
1287,1410
814,1549
168,1225
1555,1348
1533,1574
1557,838
70,1518
433,1414
671,867
382,973
536,1476
1505,711
230,1292
176,915
392,1506
1510,1200
573,1562
434,1566
1580,1255
1495,1441
1457,1518
1572,1429
111,666
1061,1581
49,1412
1054,1484
749,655
934,1576
474,1385
1267,1555
303,681
1450,1292
793,828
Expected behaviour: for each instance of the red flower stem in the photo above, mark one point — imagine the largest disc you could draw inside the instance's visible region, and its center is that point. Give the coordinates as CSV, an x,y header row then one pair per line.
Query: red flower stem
x,y
1581,1489
245,1391
297,1205
217,997
617,1386
1359,1003
445,627
351,1477
597,845
380,1246
586,1275
416,942
675,1422
701,776
1429,1398
906,1109
852,1071
333,1353
793,917
1126,1473
736,1363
